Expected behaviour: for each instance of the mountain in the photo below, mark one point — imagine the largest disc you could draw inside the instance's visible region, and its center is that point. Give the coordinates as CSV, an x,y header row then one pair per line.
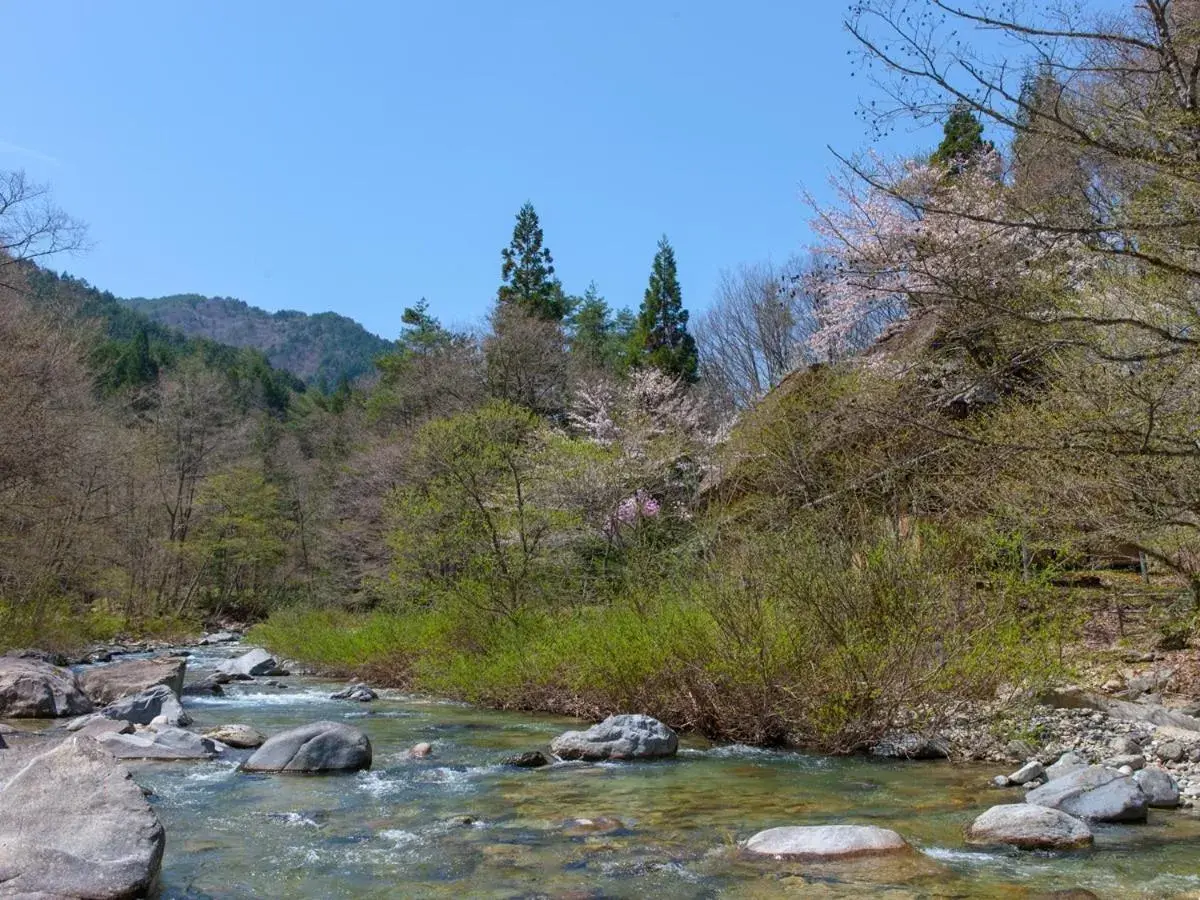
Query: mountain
x,y
320,349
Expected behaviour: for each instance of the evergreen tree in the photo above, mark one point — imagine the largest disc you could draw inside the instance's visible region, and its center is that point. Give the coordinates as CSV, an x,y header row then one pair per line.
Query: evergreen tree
x,y
661,338
528,271
962,140
598,340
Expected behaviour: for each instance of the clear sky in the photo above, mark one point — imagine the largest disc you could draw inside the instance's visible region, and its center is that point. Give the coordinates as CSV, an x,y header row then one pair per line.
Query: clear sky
x,y
357,155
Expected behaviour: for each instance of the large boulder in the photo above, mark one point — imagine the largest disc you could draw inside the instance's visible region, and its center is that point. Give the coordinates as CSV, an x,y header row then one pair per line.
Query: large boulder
x,y
319,747
618,737
911,746
817,842
34,689
240,737
1096,793
251,665
163,744
74,824
146,707
105,684
1029,827
1161,790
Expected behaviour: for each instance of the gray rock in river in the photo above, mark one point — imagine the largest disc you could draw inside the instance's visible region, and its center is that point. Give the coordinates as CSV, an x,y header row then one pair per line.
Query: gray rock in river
x,y
357,692
319,747
74,824
1161,790
95,726
106,684
162,744
911,746
1031,771
251,665
533,759
240,737
1066,764
144,708
817,842
1029,827
1096,793
618,737
219,637
33,689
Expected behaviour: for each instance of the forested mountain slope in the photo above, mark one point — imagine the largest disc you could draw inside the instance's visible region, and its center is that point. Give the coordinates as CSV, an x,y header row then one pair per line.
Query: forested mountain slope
x,y
320,349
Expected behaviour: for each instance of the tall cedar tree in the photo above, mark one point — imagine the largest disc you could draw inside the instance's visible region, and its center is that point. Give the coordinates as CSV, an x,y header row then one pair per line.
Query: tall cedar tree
x,y
962,140
661,337
528,271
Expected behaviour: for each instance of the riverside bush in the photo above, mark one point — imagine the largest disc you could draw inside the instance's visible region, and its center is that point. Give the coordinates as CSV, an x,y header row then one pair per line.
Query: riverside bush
x,y
782,639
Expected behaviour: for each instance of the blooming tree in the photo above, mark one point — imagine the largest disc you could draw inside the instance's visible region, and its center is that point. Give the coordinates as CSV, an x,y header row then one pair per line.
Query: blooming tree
x,y
912,234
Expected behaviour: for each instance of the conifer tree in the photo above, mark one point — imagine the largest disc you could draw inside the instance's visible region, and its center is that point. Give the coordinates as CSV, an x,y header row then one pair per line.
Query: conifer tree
x,y
661,337
528,271
962,140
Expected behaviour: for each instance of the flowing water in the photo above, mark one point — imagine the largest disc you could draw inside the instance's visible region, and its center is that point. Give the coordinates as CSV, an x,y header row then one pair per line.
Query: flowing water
x,y
458,824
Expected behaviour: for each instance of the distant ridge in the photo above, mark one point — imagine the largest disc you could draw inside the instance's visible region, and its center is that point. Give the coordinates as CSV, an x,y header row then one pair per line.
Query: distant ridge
x,y
320,349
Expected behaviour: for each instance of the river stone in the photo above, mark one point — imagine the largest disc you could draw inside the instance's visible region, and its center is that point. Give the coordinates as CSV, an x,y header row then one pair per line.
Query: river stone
x,y
319,747
106,684
532,759
163,744
1126,745
1095,793
219,637
33,689
74,824
1161,790
1171,751
1031,771
144,708
1133,761
618,737
816,842
99,725
911,746
359,692
1066,764
1029,827
251,665
241,737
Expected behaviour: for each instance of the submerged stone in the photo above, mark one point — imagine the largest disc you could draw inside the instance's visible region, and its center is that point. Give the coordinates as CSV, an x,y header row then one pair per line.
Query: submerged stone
x,y
817,842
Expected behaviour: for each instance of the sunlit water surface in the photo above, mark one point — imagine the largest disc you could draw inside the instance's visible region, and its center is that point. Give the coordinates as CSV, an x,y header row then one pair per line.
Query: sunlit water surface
x,y
459,824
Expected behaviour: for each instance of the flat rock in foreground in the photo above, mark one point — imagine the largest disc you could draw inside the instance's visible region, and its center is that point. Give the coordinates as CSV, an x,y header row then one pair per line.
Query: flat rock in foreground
x,y
165,744
1029,827
105,684
74,824
618,737
1097,794
34,689
818,842
311,749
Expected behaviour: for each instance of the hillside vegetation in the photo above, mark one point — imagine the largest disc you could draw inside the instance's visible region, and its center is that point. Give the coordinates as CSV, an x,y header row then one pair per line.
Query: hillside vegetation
x,y
321,349
861,492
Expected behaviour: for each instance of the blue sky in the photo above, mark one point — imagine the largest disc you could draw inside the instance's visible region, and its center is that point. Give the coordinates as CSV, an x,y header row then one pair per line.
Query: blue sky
x,y
357,156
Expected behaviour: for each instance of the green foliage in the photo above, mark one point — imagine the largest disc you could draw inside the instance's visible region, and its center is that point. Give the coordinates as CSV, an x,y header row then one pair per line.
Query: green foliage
x,y
599,339
788,637
528,271
660,338
962,140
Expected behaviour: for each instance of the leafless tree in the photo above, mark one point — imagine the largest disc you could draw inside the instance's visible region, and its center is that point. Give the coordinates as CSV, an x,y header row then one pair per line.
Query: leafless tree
x,y
31,224
526,360
756,330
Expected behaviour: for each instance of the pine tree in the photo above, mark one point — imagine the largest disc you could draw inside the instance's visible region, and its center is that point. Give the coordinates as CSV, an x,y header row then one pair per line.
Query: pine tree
x,y
528,271
661,337
962,140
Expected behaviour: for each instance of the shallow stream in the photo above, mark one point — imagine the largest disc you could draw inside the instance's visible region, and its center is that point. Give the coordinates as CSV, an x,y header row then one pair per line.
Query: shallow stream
x,y
458,824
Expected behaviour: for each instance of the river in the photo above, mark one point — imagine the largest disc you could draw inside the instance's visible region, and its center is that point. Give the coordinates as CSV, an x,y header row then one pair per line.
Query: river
x,y
459,824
